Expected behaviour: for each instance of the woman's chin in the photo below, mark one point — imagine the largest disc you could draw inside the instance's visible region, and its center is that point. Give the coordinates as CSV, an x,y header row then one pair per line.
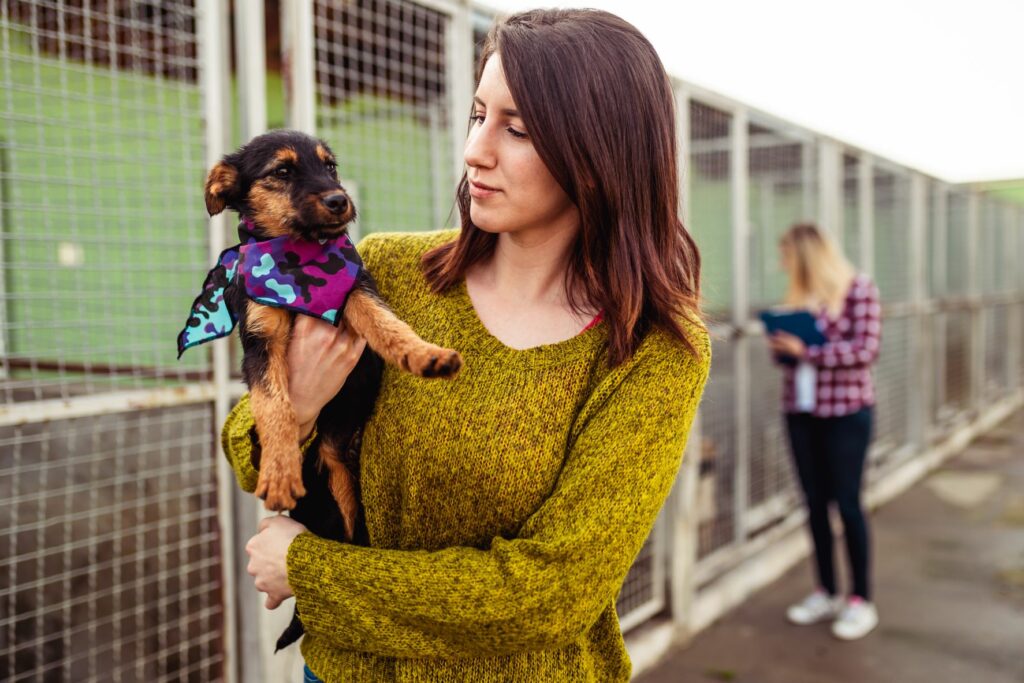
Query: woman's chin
x,y
485,222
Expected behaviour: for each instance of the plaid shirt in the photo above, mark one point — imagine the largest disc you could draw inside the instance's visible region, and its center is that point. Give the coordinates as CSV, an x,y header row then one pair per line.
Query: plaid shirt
x,y
843,363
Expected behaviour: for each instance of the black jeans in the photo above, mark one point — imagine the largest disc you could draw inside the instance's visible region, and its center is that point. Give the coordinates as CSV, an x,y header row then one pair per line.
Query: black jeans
x,y
829,453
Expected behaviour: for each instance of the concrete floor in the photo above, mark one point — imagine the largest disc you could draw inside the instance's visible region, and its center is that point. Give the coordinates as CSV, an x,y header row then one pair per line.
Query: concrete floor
x,y
949,585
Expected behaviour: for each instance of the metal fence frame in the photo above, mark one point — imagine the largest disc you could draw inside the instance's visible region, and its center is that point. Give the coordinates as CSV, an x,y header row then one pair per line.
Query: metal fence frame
x,y
706,585
175,391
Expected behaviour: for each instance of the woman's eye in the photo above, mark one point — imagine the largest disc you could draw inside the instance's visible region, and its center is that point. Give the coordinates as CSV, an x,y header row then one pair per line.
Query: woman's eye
x,y
477,118
283,172
516,133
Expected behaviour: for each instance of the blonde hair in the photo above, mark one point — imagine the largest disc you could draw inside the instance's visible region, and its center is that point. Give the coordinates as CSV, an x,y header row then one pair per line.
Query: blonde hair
x,y
820,274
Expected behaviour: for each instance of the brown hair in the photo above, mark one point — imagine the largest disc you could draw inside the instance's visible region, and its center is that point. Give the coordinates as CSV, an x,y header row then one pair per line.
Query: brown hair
x,y
821,274
603,122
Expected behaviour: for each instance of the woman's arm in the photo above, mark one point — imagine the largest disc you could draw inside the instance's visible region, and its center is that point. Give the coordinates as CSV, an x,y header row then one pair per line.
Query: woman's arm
x,y
865,319
548,585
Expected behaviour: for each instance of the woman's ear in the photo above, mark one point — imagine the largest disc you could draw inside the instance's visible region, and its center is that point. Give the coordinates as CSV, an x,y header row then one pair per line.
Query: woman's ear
x,y
221,187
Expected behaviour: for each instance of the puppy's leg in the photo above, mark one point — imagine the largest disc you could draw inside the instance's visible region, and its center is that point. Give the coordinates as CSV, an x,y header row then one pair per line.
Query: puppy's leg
x,y
342,485
394,340
280,481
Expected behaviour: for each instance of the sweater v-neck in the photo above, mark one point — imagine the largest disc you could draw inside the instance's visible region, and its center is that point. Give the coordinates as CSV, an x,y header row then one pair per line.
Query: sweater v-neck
x,y
556,353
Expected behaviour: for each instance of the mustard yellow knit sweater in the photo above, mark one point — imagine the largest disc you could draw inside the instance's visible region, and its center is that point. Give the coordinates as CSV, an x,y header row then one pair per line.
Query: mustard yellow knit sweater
x,y
504,507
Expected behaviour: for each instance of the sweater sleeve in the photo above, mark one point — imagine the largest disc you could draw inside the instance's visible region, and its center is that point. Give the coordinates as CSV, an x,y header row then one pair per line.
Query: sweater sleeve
x,y
864,316
546,586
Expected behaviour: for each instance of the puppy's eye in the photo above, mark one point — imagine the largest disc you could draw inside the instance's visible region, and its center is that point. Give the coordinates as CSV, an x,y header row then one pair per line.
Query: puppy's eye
x,y
332,168
283,172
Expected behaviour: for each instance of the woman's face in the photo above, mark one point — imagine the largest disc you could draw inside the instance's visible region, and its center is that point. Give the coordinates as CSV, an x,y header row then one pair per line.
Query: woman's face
x,y
511,190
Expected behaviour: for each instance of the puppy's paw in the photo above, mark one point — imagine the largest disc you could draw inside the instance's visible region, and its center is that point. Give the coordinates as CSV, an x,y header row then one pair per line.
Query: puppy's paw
x,y
432,361
280,487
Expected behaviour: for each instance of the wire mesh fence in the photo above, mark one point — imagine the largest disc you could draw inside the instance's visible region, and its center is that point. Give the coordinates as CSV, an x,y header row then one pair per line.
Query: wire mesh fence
x,y
102,154
108,573
382,88
710,154
113,567
951,324
111,570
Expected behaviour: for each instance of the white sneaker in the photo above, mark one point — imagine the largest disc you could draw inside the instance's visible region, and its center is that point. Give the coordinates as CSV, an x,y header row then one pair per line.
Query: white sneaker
x,y
816,607
857,619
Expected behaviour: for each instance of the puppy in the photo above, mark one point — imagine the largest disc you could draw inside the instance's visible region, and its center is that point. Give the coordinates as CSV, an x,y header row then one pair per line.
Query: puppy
x,y
295,256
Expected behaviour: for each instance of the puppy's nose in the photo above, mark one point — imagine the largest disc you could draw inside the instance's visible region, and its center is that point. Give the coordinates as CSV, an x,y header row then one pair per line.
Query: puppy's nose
x,y
336,203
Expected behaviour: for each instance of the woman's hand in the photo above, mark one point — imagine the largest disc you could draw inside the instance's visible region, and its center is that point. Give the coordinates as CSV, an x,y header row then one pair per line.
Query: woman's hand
x,y
786,344
320,359
268,554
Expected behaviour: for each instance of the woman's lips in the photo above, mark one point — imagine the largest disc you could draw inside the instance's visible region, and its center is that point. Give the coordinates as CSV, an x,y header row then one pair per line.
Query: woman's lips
x,y
481,191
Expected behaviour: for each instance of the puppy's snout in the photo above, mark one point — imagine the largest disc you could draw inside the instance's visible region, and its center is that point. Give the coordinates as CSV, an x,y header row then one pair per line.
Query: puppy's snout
x,y
336,203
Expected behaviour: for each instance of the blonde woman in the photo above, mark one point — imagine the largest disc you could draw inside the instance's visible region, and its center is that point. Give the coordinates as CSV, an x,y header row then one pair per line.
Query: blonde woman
x,y
829,399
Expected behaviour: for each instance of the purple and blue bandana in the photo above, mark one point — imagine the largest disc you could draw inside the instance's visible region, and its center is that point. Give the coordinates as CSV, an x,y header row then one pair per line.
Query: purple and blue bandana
x,y
313,278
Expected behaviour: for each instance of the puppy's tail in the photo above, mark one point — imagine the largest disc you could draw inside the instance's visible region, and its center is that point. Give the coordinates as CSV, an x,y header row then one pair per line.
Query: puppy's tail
x,y
294,631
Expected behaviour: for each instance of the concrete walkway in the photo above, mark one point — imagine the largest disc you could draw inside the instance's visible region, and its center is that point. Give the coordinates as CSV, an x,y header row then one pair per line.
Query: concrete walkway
x,y
949,585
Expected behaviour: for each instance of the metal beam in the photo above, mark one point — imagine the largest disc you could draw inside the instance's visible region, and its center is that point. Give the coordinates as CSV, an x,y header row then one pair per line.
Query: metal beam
x,y
830,188
213,60
920,379
740,176
298,46
459,54
977,333
866,213
93,405
251,68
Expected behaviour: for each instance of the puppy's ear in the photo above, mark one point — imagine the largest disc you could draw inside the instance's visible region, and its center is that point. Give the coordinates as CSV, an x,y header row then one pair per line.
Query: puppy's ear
x,y
221,187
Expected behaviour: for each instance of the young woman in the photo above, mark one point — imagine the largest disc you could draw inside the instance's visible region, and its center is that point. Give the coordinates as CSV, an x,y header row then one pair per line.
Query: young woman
x,y
828,398
505,507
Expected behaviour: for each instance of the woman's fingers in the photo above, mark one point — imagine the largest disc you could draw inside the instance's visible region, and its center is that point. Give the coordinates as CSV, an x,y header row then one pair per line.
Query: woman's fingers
x,y
320,358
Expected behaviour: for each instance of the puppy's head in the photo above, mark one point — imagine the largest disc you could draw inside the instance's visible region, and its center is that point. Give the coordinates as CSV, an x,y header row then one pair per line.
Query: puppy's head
x,y
286,182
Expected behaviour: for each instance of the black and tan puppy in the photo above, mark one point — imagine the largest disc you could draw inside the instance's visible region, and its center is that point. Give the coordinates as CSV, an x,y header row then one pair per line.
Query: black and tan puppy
x,y
285,184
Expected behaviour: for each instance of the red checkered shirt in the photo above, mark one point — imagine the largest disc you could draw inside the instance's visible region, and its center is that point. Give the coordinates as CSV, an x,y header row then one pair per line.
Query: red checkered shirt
x,y
843,363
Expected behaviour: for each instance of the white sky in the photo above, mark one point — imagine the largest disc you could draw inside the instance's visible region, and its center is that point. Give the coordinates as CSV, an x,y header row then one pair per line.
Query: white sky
x,y
934,84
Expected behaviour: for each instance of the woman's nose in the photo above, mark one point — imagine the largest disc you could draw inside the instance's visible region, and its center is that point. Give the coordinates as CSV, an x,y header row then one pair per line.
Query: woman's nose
x,y
479,151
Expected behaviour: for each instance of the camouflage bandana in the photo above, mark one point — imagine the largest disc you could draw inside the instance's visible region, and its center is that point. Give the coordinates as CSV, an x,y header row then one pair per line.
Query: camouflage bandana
x,y
313,278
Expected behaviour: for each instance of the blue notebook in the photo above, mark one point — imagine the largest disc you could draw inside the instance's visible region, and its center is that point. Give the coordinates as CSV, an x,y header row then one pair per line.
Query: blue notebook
x,y
799,323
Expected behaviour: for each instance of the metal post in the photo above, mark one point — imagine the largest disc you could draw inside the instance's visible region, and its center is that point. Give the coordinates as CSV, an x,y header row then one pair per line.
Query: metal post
x,y
213,45
1011,247
251,68
807,178
459,43
740,314
977,358
920,380
298,47
830,189
940,289
298,53
683,526
866,200
251,78
5,201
